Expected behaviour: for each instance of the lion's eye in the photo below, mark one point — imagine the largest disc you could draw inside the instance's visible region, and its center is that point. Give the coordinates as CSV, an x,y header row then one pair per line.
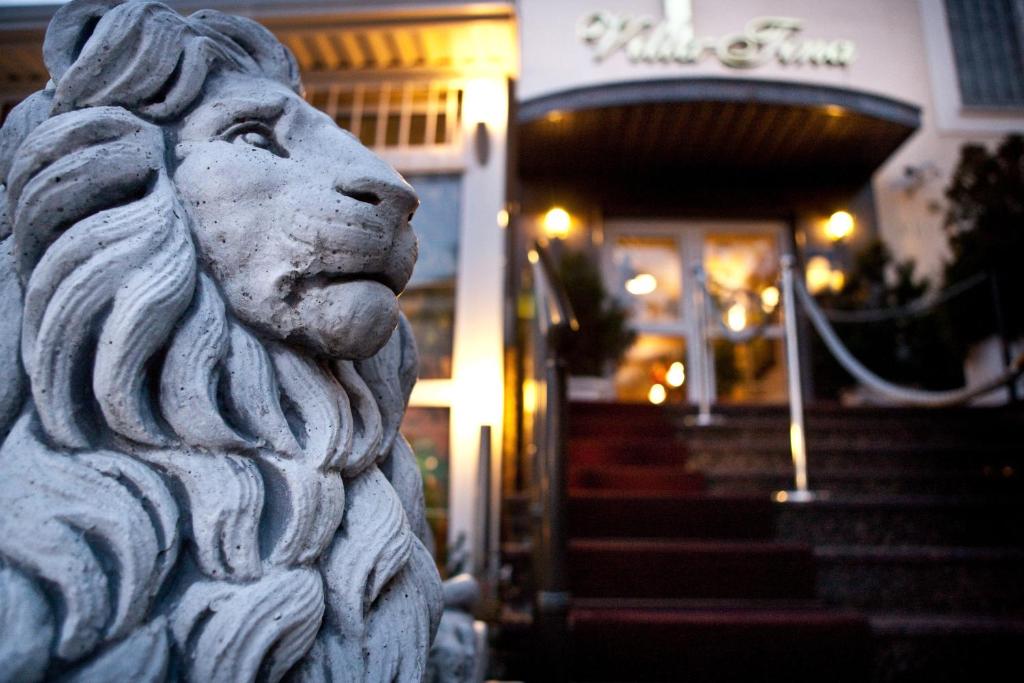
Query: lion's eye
x,y
254,134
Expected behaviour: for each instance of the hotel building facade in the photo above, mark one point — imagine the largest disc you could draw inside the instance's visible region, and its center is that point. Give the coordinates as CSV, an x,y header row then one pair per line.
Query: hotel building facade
x,y
670,133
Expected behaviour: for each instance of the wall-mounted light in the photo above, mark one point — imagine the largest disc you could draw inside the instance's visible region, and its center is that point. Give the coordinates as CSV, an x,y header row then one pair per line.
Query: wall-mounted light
x,y
837,280
769,298
839,226
657,394
821,275
644,283
818,274
485,111
557,222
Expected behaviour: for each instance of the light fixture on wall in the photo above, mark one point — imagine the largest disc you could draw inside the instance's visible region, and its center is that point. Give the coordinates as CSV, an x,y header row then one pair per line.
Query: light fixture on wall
x,y
485,110
821,275
557,222
839,226
818,274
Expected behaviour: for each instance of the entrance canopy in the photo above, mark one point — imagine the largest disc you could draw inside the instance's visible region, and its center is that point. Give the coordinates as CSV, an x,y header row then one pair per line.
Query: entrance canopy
x,y
711,133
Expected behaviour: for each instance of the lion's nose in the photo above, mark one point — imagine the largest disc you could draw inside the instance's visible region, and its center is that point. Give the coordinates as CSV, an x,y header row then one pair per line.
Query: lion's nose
x,y
393,195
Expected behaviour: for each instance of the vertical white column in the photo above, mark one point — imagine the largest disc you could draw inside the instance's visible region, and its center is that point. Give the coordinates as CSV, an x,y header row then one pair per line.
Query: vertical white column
x,y
477,370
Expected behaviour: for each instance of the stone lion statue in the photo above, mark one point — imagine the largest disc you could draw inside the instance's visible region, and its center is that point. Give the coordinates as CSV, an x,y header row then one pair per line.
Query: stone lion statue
x,y
202,370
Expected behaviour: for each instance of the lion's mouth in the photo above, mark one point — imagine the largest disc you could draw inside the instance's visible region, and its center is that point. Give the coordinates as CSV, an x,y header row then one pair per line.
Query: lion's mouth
x,y
301,285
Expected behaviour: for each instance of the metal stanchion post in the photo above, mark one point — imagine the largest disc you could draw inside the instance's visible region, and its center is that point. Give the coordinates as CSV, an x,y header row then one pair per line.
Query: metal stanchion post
x,y
704,417
797,441
481,546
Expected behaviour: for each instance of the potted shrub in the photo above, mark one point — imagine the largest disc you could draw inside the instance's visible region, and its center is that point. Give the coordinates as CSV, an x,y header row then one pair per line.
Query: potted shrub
x,y
985,228
604,335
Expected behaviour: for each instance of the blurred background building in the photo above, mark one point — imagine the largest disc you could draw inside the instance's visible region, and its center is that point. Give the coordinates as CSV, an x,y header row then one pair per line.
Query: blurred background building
x,y
669,153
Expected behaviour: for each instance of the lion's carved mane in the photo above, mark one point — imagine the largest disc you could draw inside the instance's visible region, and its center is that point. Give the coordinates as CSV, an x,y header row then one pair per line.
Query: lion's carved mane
x,y
180,497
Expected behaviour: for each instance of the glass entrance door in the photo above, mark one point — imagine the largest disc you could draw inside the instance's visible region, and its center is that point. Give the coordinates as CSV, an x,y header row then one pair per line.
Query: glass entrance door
x,y
656,269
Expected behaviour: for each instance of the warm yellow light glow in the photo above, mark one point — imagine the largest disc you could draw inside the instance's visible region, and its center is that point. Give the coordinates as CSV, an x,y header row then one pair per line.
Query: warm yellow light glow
x,y
781,496
503,218
676,374
557,222
797,447
769,298
644,283
556,116
485,100
839,226
533,256
657,394
819,274
736,317
834,110
836,280
530,396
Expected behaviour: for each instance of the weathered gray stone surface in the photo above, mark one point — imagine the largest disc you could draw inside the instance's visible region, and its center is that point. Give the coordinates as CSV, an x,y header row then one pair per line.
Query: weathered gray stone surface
x,y
202,370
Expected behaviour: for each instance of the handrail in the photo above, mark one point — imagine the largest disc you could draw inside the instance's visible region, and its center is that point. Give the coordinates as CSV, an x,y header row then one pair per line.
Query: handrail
x,y
560,322
555,324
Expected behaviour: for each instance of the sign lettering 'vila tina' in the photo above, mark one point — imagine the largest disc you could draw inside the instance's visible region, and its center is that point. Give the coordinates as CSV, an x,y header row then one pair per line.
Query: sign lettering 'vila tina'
x,y
645,39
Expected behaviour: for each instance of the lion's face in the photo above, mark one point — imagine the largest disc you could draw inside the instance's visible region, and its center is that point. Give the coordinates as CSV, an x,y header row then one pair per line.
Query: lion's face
x,y
306,231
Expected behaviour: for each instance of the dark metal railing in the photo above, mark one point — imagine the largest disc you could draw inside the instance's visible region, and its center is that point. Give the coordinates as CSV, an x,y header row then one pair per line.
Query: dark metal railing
x,y
553,328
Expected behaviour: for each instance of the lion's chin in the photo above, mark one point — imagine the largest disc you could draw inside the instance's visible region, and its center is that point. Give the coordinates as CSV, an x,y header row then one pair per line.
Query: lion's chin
x,y
350,320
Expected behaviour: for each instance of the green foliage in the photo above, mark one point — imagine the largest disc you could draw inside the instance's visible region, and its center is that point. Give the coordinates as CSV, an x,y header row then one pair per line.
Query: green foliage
x,y
603,336
913,350
985,227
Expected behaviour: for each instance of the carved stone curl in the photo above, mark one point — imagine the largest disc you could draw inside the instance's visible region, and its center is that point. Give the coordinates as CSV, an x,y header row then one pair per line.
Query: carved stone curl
x,y
202,369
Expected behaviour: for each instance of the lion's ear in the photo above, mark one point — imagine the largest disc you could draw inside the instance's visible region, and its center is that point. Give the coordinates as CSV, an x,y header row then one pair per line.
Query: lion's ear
x,y
69,31
273,58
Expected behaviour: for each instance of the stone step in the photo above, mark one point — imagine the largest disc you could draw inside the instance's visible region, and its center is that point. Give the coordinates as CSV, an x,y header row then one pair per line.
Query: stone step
x,y
922,578
976,481
901,520
944,648
1007,462
620,450
623,514
619,641
636,478
623,568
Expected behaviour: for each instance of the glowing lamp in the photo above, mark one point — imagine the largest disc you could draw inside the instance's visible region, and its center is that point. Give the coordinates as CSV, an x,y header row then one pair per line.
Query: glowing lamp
x,y
557,222
644,283
657,394
485,101
769,298
839,226
736,317
836,280
676,375
819,274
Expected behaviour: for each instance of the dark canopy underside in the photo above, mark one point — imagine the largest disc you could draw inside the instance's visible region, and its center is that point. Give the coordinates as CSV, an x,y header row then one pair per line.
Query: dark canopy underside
x,y
710,135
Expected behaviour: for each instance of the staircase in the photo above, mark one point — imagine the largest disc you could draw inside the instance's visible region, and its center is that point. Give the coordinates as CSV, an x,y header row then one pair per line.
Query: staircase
x,y
683,567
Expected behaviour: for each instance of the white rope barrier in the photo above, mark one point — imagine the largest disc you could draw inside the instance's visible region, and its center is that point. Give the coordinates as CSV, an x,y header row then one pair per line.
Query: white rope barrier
x,y
873,382
914,308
